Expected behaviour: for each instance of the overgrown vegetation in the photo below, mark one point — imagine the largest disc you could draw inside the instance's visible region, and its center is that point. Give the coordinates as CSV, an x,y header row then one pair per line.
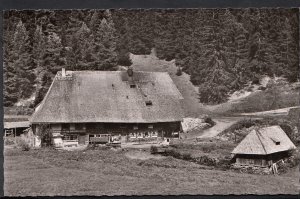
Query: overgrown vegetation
x,y
222,49
23,144
45,135
153,149
215,154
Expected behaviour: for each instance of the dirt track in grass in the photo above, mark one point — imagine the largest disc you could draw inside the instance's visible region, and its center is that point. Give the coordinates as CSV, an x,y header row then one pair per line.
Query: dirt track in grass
x,y
108,172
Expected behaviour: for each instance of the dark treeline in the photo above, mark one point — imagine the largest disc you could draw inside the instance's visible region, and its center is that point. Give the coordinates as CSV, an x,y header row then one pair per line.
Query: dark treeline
x,y
222,49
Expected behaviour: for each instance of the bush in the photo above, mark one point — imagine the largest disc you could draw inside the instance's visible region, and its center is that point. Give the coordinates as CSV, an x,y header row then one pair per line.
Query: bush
x,y
209,147
45,135
255,80
209,120
97,147
187,156
153,149
211,93
23,145
124,59
8,141
294,159
262,88
173,153
205,160
225,163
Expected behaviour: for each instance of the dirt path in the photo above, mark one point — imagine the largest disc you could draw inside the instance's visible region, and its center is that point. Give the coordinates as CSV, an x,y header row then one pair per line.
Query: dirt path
x,y
275,112
221,124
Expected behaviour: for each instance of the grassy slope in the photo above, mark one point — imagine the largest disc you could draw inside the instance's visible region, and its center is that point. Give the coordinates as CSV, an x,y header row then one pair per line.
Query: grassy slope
x,y
111,173
282,96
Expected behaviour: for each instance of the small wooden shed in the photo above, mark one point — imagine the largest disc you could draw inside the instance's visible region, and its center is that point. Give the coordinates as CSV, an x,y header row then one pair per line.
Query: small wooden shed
x,y
263,147
15,128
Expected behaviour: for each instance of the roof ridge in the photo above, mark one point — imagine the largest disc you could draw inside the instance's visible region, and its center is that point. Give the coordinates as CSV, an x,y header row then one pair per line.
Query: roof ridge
x,y
258,135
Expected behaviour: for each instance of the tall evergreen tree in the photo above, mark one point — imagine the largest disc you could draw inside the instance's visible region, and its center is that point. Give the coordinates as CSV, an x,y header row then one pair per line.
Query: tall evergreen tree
x,y
20,76
105,44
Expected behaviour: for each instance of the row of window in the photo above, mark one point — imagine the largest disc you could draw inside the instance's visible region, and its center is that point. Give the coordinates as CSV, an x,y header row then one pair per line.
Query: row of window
x,y
70,137
66,127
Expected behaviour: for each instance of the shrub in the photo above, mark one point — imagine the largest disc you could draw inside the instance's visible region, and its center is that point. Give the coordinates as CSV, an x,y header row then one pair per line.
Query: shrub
x,y
255,80
153,149
205,160
294,158
23,145
208,147
187,156
225,163
262,88
209,120
45,135
8,141
124,59
173,153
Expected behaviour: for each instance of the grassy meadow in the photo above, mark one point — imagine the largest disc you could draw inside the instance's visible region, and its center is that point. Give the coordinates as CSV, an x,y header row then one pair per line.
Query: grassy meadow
x,y
110,172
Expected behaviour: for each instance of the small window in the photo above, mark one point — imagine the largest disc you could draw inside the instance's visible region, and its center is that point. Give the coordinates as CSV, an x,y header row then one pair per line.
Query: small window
x,y
70,137
135,127
277,143
148,103
132,86
150,126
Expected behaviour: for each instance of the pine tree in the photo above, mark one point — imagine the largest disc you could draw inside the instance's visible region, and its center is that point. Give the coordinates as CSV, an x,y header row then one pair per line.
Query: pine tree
x,y
38,46
52,59
82,49
19,77
105,44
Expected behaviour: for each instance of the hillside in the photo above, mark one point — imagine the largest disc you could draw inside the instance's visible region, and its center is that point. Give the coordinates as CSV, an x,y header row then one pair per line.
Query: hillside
x,y
268,94
221,50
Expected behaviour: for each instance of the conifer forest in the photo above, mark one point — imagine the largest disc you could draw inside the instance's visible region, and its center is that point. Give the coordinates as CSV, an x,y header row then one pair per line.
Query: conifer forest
x,y
221,49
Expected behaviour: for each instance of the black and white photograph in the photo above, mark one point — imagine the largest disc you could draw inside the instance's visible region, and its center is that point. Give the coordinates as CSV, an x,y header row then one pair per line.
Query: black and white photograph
x,y
179,101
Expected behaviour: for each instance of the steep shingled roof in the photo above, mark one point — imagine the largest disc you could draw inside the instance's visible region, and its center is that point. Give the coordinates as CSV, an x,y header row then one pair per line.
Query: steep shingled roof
x,y
263,141
106,96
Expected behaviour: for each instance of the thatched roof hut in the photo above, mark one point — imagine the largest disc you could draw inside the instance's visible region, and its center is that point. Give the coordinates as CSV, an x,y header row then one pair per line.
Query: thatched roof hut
x,y
263,146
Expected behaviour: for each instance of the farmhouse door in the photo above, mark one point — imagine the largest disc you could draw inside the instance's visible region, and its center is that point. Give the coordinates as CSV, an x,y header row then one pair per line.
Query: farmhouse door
x,y
81,139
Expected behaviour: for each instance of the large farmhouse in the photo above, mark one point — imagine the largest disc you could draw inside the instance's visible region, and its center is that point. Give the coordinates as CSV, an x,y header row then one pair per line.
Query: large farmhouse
x,y
102,106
